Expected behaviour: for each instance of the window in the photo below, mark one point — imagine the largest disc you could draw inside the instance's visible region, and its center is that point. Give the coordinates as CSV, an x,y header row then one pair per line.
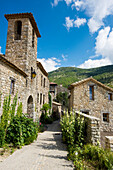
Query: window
x,y
106,117
18,30
37,97
33,37
12,86
91,92
85,112
26,82
40,98
109,96
43,99
31,71
44,82
41,79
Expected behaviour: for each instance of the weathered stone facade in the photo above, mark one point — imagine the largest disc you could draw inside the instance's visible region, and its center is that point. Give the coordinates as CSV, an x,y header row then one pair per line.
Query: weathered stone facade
x,y
101,106
53,90
21,54
109,142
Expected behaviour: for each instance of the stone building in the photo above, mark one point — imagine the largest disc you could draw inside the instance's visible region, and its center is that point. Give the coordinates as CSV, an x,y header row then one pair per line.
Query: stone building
x,y
53,89
94,98
20,72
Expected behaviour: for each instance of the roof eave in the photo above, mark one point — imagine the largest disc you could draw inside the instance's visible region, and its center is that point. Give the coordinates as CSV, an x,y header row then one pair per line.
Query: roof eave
x,y
12,65
25,15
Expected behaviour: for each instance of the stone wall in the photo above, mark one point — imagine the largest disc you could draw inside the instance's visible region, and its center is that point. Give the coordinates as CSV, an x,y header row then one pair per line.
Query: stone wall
x,y
93,128
80,101
6,73
23,55
61,89
109,142
56,109
41,90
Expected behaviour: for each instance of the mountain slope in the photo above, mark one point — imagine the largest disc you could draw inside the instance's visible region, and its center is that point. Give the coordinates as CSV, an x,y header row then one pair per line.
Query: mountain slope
x,y
69,75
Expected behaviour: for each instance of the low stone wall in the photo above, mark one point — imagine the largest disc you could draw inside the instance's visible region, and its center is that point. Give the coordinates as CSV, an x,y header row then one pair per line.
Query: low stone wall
x,y
109,142
93,128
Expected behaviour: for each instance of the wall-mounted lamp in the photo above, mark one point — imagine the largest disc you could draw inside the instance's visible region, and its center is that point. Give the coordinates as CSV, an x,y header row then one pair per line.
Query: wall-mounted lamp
x,y
33,73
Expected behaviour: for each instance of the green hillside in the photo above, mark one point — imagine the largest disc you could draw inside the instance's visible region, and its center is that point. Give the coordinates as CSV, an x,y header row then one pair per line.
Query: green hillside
x,y
69,75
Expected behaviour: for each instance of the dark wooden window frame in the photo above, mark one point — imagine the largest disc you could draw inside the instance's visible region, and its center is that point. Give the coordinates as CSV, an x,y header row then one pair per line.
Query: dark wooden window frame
x,y
12,85
109,96
91,92
106,117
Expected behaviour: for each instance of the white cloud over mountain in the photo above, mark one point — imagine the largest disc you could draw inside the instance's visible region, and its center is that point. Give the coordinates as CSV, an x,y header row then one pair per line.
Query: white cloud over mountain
x,y
104,48
95,63
96,11
50,64
104,43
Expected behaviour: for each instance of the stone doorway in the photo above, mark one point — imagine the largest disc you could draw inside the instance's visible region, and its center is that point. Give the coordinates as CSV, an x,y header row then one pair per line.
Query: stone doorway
x,y
30,107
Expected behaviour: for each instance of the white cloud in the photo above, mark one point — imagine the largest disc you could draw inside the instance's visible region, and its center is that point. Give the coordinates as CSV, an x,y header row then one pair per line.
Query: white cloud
x,y
95,63
97,10
68,2
69,23
94,25
103,48
64,57
104,43
49,64
77,4
55,3
79,21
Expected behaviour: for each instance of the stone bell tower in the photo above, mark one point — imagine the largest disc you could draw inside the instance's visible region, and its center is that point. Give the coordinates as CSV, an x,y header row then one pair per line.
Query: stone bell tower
x,y
21,47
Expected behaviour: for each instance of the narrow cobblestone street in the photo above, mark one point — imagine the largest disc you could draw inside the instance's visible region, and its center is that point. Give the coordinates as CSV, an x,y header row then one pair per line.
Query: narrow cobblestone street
x,y
47,153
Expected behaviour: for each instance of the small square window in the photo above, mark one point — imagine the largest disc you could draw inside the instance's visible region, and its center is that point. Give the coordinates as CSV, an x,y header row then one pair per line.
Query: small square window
x,y
109,96
106,117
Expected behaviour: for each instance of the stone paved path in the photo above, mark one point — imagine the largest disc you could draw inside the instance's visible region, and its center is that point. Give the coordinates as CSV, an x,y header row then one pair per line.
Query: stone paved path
x,y
47,153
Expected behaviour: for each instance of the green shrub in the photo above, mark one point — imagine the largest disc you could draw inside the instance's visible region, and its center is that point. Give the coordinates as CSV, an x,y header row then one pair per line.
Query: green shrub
x,y
5,119
22,130
16,129
14,132
73,129
104,158
45,118
73,133
2,136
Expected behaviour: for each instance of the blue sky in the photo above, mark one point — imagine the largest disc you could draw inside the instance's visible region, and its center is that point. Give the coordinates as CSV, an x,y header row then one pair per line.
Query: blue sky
x,y
74,32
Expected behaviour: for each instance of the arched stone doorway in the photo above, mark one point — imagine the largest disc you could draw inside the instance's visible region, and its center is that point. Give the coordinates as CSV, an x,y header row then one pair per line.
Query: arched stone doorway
x,y
30,107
